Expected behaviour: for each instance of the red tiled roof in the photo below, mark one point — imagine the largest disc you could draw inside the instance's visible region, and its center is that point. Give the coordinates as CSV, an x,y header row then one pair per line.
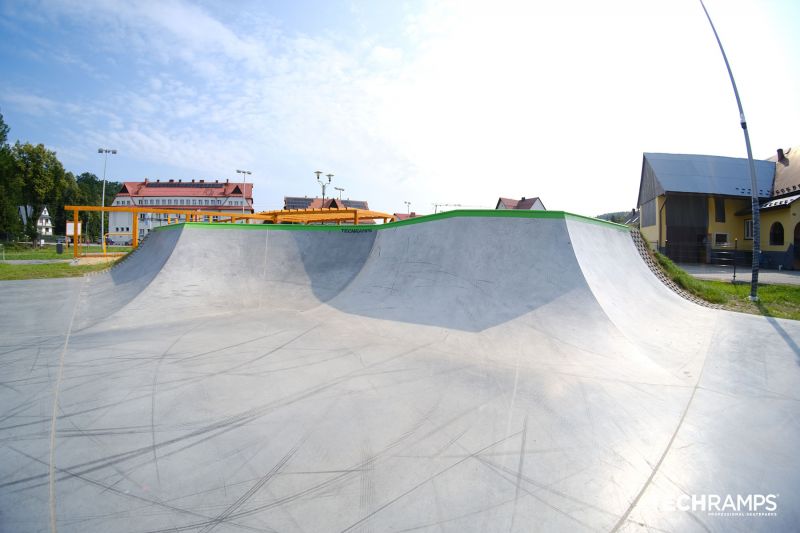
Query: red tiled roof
x,y
405,216
207,189
523,203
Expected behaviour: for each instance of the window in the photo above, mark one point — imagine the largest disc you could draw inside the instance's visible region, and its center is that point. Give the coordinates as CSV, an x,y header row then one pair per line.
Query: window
x,y
720,238
719,209
748,229
776,234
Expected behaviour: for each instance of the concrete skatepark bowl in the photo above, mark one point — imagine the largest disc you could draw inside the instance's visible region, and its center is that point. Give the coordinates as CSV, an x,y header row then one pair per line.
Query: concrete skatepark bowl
x,y
469,371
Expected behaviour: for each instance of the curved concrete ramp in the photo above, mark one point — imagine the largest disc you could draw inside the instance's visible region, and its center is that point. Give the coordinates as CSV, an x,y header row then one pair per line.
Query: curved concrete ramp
x,y
471,371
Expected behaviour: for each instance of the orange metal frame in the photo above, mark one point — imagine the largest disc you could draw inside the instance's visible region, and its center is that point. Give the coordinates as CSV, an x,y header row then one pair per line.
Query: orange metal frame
x,y
297,216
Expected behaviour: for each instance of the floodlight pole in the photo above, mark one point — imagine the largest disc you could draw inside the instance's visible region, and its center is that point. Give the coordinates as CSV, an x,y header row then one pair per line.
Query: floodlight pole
x,y
341,190
323,184
105,152
244,174
408,207
753,180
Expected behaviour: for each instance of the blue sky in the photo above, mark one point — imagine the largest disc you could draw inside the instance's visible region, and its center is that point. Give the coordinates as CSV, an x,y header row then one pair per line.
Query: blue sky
x,y
431,102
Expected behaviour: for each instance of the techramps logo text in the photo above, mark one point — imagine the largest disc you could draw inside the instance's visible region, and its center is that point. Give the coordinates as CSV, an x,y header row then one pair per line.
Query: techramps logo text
x,y
733,505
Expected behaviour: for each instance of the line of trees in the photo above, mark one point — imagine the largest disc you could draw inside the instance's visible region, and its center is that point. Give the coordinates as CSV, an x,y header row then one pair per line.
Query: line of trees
x,y
31,175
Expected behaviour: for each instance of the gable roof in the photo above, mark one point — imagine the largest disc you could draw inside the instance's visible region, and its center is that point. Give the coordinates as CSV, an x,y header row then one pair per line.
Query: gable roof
x,y
523,203
787,172
703,174
303,202
207,189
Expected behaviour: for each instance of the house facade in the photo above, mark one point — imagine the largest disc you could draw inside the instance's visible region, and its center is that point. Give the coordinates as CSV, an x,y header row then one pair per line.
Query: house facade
x,y
697,208
44,225
201,195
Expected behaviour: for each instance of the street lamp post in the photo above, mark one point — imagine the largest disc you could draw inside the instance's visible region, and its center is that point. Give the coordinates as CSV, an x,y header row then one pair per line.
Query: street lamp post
x,y
753,180
105,152
323,184
408,207
244,174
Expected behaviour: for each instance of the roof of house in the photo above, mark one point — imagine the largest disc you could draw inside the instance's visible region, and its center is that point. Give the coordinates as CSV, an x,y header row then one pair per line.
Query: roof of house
x,y
787,171
304,202
777,203
192,188
704,174
522,203
405,216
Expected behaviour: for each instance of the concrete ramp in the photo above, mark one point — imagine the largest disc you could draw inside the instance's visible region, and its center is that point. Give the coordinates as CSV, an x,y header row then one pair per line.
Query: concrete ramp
x,y
469,371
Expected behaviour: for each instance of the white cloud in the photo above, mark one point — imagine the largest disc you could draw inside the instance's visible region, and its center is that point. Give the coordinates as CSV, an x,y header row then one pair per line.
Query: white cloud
x,y
482,100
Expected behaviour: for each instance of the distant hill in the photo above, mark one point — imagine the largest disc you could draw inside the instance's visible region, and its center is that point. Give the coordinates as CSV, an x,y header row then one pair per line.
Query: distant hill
x,y
618,216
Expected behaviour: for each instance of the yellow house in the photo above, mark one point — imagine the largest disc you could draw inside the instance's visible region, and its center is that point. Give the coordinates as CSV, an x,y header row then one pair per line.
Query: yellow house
x,y
780,216
697,208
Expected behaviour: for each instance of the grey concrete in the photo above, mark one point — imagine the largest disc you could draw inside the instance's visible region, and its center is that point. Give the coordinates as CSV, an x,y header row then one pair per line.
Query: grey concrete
x,y
466,374
743,274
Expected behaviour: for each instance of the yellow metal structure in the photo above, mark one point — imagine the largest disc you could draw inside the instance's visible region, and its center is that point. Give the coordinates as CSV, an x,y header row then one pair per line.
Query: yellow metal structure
x,y
295,216
322,215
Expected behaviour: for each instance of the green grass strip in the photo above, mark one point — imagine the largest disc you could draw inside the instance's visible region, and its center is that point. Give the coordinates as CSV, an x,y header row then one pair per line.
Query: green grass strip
x,y
48,270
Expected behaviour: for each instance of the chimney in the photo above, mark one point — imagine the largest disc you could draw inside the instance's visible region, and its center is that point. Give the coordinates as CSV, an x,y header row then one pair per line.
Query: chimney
x,y
192,180
202,181
179,180
145,180
523,199
172,181
158,181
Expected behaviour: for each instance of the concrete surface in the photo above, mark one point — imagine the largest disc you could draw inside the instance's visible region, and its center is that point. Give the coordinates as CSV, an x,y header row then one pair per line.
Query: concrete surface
x,y
457,374
744,274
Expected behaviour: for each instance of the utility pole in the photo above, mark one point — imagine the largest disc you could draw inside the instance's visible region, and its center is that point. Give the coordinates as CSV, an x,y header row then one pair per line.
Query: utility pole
x,y
105,152
753,180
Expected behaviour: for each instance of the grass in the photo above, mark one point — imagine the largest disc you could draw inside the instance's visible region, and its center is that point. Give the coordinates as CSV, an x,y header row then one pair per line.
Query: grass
x,y
13,252
780,301
49,270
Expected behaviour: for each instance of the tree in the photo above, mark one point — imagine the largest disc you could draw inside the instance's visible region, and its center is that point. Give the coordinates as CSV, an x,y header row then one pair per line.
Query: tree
x,y
43,180
91,193
10,188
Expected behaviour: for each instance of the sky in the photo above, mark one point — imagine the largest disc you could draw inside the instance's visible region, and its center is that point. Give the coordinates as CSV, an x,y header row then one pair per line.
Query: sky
x,y
428,102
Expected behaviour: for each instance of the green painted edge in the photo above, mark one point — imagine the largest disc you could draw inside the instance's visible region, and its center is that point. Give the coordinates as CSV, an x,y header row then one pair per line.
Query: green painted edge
x,y
461,213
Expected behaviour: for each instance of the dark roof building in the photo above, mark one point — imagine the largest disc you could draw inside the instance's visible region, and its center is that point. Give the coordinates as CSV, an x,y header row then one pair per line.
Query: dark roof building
x,y
695,208
304,202
701,174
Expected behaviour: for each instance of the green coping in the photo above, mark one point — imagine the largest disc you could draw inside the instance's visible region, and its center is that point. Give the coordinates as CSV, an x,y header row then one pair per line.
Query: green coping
x,y
461,213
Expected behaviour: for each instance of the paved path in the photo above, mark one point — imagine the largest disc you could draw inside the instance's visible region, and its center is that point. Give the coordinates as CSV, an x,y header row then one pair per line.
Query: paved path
x,y
464,373
725,273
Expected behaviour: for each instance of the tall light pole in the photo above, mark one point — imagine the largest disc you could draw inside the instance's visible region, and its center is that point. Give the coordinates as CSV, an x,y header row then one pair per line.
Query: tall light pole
x,y
323,184
341,190
105,152
244,174
408,207
753,180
